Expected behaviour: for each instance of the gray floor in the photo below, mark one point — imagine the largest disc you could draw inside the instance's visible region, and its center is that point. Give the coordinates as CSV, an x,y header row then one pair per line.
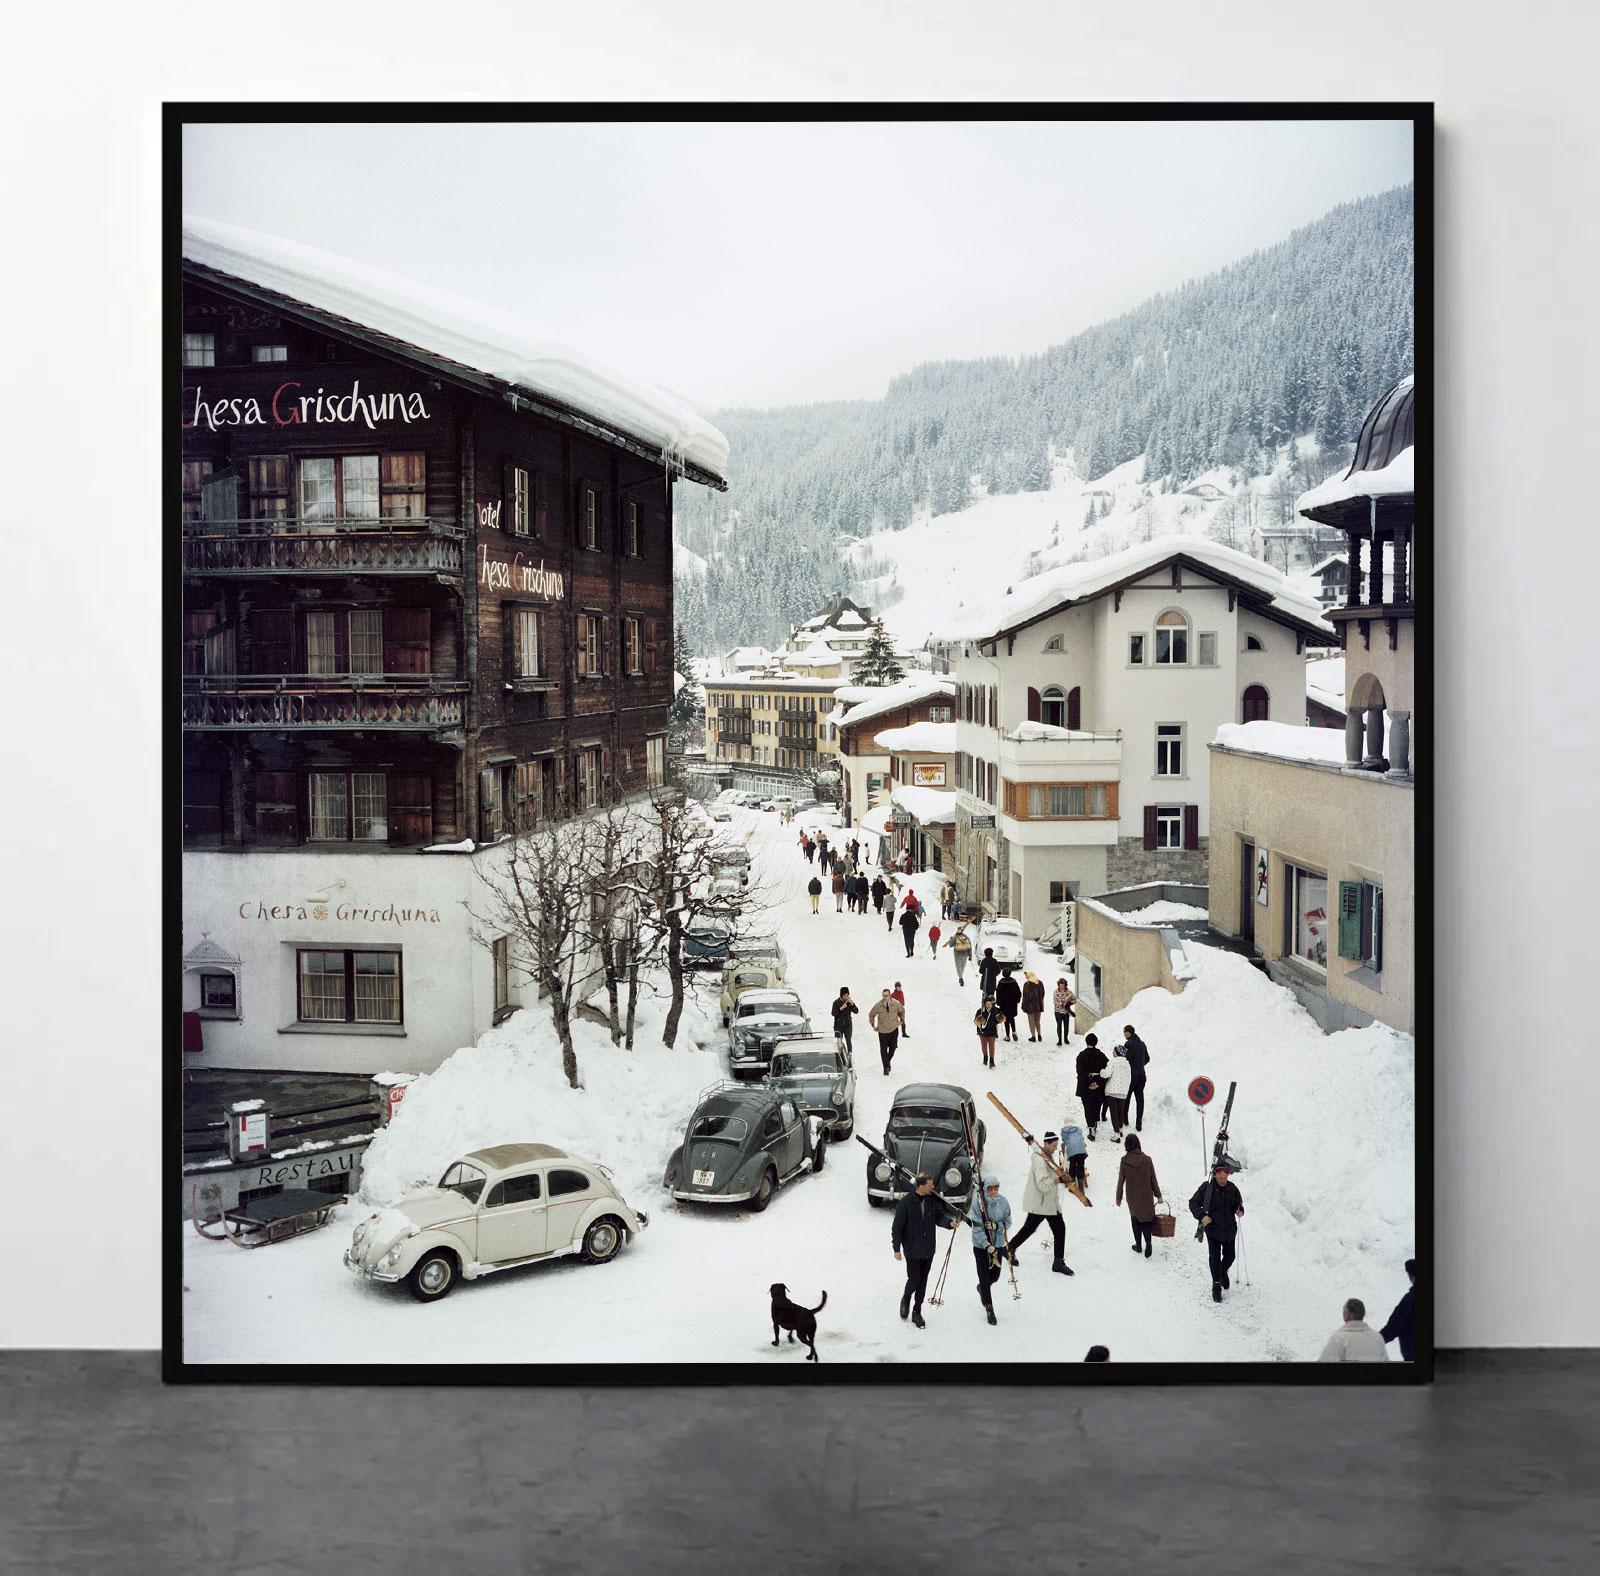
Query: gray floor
x,y
1496,1468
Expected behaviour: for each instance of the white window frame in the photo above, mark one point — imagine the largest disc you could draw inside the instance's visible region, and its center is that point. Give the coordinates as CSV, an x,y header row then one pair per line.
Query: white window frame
x,y
263,354
521,501
1169,826
1168,743
1170,630
1293,875
1057,697
1091,982
633,644
199,350
529,655
1137,642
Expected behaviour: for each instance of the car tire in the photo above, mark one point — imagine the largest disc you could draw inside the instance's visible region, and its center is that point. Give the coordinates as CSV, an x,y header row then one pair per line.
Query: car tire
x,y
820,1153
876,1203
603,1241
433,1277
844,1133
764,1191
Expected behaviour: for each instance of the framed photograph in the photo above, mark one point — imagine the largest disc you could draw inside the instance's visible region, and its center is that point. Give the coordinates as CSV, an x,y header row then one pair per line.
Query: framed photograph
x,y
799,744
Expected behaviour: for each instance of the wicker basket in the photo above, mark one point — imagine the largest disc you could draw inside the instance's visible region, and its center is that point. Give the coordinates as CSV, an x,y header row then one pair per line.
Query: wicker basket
x,y
1165,1225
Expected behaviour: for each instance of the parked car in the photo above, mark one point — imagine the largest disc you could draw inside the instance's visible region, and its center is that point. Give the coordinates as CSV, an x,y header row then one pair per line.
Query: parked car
x,y
926,1131
817,1072
780,801
758,949
759,1020
741,1145
706,942
720,812
495,1209
1049,939
732,856
741,975
1004,936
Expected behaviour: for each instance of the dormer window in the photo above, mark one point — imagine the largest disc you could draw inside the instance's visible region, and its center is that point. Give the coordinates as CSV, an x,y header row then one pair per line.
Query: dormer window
x,y
1172,640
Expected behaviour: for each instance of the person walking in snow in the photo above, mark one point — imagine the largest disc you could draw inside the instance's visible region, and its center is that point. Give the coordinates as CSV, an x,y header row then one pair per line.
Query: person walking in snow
x,y
1062,1003
1136,1177
1041,1203
886,1017
1033,1005
814,887
900,996
855,850
844,1010
1091,1065
1355,1341
933,940
1401,1325
990,1219
914,1234
1076,1151
1219,1208
987,1021
988,972
838,889
1119,1079
1008,997
949,898
1138,1056
961,950
823,852
807,847
880,891
909,925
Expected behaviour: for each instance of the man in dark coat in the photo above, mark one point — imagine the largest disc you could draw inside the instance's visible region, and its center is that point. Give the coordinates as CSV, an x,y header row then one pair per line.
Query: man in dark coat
x,y
913,1234
908,928
1402,1323
1219,1208
1137,1057
1007,997
988,972
844,1009
880,890
1091,1066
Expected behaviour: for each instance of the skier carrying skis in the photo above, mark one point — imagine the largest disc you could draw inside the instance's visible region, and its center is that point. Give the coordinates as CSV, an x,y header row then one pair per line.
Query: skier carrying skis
x,y
1219,1208
961,950
990,1218
1091,1066
913,1235
1042,1204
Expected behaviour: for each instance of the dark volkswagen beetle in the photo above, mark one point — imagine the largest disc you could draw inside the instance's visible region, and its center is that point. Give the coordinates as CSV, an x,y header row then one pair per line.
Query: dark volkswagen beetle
x,y
816,1069
926,1132
743,1143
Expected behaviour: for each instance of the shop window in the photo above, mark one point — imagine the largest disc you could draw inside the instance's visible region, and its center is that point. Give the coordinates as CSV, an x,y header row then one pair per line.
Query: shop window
x,y
1306,916
1091,982
261,353
199,350
347,986
1172,640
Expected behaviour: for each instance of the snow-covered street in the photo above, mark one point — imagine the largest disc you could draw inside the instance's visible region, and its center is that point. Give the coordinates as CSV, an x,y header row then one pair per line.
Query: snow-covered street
x,y
1323,1125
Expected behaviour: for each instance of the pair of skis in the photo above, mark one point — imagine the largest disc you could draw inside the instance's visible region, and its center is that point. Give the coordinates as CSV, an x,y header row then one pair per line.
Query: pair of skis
x,y
1219,1153
1055,1165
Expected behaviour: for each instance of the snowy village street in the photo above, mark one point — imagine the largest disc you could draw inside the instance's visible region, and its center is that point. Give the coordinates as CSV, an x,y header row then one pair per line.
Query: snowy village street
x,y
1322,1125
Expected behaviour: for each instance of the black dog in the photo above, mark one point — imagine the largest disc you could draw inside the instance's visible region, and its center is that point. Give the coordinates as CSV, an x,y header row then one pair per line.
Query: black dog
x,y
796,1320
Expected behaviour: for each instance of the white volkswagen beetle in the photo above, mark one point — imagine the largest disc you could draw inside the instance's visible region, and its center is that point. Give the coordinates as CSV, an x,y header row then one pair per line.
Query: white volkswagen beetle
x,y
495,1209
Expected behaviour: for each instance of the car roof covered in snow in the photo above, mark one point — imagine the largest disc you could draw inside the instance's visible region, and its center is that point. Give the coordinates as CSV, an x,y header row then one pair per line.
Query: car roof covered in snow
x,y
769,998
502,1157
1002,922
931,1094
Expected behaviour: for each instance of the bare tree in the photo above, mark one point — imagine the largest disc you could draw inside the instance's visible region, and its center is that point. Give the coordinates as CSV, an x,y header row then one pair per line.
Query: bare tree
x,y
611,878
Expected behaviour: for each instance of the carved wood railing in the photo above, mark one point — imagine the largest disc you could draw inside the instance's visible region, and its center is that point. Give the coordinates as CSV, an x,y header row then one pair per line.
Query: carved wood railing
x,y
415,703
431,547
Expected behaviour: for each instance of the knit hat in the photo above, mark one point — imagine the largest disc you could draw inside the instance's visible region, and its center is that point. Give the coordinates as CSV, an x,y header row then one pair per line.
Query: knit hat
x,y
1051,1138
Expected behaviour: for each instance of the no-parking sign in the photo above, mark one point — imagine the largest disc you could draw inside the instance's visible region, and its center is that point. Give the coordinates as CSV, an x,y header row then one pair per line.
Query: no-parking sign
x,y
1201,1090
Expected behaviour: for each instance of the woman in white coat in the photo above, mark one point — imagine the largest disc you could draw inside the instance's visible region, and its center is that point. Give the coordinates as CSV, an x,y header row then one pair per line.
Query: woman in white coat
x,y
1119,1083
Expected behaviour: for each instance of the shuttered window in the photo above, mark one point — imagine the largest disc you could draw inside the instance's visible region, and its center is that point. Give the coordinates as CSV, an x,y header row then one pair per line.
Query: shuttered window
x,y
410,808
195,475
591,654
1169,826
632,645
269,486
631,539
525,645
404,486
589,532
330,807
521,501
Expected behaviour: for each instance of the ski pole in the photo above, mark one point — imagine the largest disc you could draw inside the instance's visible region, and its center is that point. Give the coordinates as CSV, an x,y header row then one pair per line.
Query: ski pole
x,y
1011,1262
937,1299
1244,1268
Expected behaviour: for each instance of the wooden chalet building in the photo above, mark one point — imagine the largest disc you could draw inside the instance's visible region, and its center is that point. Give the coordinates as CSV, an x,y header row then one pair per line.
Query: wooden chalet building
x,y
426,597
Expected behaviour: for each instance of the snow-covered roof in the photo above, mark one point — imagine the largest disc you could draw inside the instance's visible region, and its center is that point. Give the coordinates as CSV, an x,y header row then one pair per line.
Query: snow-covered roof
x,y
1331,561
1325,681
747,657
1043,594
930,806
771,679
937,738
876,821
862,702
524,354
1396,478
1285,741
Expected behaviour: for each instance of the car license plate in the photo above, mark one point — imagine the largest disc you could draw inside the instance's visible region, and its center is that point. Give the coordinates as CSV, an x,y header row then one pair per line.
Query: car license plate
x,y
704,1178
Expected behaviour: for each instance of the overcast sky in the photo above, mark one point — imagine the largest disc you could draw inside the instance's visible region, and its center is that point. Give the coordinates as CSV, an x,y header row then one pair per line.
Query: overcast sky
x,y
760,265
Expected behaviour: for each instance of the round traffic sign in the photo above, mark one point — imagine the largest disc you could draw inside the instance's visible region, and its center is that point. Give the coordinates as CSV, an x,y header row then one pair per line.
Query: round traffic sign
x,y
1201,1090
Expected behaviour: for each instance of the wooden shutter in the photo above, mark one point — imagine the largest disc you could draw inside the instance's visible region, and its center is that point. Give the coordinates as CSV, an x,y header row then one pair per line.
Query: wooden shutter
x,y
488,804
1074,708
407,640
1377,929
277,804
1035,706
402,486
272,640
1191,826
603,793
606,662
511,640
205,801
508,495
539,487
1149,826
1349,919
410,809
650,646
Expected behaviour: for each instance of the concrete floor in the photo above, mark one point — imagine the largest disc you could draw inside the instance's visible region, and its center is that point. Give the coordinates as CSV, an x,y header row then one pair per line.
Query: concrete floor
x,y
1495,1469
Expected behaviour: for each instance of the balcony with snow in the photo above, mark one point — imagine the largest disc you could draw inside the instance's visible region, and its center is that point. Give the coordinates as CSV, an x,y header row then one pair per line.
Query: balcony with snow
x,y
1041,751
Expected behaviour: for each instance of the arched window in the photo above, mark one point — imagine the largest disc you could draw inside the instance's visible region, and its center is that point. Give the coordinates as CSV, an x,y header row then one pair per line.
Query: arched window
x,y
1053,643
1172,639
1253,643
1255,704
1053,708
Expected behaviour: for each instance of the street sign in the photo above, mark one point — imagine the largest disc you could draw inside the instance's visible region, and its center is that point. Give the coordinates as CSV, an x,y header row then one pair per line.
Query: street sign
x,y
1201,1090
983,823
397,1093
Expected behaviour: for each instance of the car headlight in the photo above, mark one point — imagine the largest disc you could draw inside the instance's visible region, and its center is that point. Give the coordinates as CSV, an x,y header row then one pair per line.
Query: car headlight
x,y
952,1177
392,1257
363,1231
880,1172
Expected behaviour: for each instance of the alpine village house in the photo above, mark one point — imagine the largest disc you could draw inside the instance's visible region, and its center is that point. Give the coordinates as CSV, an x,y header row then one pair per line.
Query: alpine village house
x,y
427,597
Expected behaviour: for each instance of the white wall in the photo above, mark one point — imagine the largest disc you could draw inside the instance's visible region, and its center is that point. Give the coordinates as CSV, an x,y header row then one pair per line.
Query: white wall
x,y
1519,226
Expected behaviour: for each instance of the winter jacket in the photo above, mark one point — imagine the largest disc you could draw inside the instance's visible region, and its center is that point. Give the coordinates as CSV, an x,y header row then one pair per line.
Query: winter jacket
x,y
879,891
1007,994
1355,1341
1072,1141
814,886
1137,1177
1063,999
1039,1196
961,942
838,880
999,1212
887,1017
933,932
914,1229
988,970
900,996
1033,996
911,902
1226,1202
1402,1325
842,1009
1138,1056
988,1020
1119,1080
909,922
1091,1065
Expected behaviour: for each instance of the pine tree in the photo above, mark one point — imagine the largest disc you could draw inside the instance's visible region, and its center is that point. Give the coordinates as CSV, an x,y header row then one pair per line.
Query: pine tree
x,y
878,664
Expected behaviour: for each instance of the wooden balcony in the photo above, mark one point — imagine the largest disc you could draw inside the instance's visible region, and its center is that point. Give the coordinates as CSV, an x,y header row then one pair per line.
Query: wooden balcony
x,y
410,703
326,547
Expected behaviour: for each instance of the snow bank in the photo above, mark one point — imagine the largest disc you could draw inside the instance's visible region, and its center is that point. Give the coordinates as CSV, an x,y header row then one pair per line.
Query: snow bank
x,y
1163,912
931,806
937,738
522,353
509,1088
1285,740
1033,732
